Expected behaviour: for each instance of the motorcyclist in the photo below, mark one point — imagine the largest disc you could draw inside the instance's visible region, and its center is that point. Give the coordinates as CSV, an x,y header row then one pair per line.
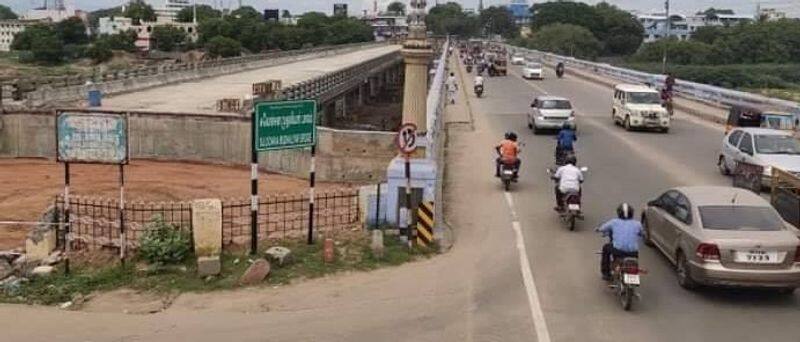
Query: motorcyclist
x,y
560,69
569,178
508,149
478,83
566,138
625,233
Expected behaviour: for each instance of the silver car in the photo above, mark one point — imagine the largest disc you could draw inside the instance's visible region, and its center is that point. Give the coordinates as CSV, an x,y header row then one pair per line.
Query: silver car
x,y
723,236
550,112
764,147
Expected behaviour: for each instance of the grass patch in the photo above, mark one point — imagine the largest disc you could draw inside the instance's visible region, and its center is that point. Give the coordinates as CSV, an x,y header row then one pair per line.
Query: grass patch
x,y
353,254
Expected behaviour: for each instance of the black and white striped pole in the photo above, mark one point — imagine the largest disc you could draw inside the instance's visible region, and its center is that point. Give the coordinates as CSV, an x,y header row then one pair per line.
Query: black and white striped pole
x,y
67,228
254,194
311,181
406,141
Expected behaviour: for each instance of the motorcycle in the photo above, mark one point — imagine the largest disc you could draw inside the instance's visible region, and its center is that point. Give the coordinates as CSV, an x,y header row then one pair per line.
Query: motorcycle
x,y
479,90
508,174
469,68
562,155
571,204
560,70
625,279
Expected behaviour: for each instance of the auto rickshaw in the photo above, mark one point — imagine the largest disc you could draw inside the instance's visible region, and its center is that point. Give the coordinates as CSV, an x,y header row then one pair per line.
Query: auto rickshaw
x,y
745,116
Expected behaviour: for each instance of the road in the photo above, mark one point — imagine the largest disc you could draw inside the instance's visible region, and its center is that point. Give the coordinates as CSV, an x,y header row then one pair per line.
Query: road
x,y
514,273
201,96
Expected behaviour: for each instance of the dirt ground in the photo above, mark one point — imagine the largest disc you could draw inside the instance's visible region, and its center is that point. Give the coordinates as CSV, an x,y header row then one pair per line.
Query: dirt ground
x,y
28,186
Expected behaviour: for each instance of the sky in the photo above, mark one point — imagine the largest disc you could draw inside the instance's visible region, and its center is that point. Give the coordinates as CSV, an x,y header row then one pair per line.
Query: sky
x,y
356,6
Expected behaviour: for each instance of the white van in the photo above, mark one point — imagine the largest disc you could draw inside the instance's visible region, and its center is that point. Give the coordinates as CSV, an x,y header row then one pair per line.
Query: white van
x,y
639,106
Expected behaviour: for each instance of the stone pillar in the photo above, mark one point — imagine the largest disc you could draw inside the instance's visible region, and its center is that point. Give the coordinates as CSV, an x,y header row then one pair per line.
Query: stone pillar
x,y
417,54
207,234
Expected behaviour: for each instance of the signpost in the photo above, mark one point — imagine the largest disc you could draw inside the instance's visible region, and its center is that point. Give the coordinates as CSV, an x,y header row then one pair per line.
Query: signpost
x,y
92,138
406,142
280,125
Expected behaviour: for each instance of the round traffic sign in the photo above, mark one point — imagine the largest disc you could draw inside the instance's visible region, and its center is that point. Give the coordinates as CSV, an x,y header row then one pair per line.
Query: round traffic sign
x,y
406,139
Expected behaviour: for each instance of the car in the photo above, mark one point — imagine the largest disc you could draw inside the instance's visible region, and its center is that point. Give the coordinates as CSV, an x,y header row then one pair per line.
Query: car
x,y
723,236
550,112
517,59
533,70
639,106
747,116
762,147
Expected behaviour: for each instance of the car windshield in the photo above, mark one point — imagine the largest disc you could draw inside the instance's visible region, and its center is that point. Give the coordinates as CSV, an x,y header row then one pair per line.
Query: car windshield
x,y
556,104
534,65
777,144
777,121
740,218
644,98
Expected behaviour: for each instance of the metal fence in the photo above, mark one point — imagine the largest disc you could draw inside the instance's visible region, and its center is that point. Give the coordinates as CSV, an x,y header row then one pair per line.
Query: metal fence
x,y
95,222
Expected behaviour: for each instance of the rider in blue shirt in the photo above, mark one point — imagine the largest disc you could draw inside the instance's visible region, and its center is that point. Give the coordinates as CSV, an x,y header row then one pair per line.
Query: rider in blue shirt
x,y
625,234
566,138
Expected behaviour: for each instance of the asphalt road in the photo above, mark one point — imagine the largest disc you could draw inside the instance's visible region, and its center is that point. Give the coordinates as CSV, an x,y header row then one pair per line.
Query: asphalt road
x,y
514,273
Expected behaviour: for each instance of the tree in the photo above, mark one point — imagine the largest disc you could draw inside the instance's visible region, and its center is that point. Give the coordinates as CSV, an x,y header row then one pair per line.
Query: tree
x,y
566,39
214,27
72,31
6,13
139,11
47,49
100,51
168,38
680,52
125,41
204,12
499,20
396,7
565,12
286,14
350,30
247,12
707,34
315,28
450,18
619,30
220,46
94,17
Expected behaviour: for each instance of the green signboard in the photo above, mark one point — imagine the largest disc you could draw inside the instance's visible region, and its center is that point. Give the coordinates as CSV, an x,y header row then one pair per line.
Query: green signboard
x,y
284,124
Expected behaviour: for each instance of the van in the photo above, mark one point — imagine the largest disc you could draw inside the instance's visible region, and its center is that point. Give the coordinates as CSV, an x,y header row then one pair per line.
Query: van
x,y
638,106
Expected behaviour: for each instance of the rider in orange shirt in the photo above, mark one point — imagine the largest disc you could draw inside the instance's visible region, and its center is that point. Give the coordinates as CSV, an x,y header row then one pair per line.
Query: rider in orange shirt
x,y
509,153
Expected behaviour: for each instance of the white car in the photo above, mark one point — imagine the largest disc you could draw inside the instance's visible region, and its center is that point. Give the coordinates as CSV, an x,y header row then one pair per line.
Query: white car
x,y
517,60
764,147
550,112
533,70
638,106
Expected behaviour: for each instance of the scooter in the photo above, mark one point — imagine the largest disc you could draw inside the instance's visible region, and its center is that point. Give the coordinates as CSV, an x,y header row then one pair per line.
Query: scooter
x,y
625,279
479,90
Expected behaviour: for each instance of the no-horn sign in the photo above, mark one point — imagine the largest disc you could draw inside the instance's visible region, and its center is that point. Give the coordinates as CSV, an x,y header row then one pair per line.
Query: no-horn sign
x,y
406,139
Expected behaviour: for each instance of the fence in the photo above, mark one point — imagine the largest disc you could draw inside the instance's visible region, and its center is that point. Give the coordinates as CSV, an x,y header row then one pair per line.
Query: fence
x,y
95,222
436,135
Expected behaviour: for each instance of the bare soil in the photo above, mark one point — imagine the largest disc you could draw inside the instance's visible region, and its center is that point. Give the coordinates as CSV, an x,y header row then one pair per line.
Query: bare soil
x,y
29,186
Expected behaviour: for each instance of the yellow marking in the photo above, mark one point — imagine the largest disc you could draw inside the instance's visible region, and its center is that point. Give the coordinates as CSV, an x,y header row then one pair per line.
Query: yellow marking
x,y
423,232
427,220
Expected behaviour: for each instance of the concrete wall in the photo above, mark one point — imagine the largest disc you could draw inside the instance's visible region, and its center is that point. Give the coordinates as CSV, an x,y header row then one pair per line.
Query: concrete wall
x,y
46,95
341,155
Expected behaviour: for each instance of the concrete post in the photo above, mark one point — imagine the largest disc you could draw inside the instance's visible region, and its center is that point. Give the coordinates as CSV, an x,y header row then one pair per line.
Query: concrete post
x,y
417,54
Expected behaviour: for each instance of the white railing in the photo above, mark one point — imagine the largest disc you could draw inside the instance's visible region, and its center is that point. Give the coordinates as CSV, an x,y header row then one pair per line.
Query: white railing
x,y
692,90
436,104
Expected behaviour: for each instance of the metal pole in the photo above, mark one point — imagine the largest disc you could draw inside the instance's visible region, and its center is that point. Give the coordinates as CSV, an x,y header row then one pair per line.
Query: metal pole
x,y
311,181
409,229
123,243
253,192
378,207
67,228
666,46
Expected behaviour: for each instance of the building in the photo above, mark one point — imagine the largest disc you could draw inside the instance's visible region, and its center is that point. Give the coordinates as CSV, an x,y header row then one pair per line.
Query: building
x,y
144,41
521,11
771,14
10,28
54,11
168,12
388,25
682,26
340,10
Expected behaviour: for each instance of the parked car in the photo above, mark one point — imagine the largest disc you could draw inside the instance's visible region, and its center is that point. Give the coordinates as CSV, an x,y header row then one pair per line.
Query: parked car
x,y
763,147
550,112
638,106
533,70
517,59
723,236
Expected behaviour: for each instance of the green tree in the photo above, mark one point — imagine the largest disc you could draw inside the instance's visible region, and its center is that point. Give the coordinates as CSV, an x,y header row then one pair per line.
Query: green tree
x,y
247,12
100,51
450,18
6,13
679,52
223,47
24,40
708,34
619,30
139,11
286,14
214,27
168,38
47,49
396,7
315,28
204,12
566,39
125,41
94,17
565,12
350,30
499,20
72,31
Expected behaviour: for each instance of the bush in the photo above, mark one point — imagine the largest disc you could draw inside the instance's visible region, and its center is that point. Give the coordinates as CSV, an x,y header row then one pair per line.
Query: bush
x,y
566,39
164,243
779,76
100,52
223,47
678,52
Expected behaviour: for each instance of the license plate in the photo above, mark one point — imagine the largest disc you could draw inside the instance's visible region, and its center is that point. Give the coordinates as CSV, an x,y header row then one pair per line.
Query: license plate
x,y
631,279
757,257
509,173
574,207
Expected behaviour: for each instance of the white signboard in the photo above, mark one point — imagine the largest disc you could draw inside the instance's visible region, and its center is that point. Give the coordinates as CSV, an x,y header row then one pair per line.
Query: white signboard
x,y
92,138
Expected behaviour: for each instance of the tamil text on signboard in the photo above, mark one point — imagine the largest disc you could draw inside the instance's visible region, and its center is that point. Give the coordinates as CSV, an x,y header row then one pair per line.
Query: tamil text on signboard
x,y
286,124
92,138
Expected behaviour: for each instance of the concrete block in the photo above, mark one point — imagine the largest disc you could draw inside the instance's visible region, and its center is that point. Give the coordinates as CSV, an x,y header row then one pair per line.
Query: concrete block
x,y
42,271
207,227
256,273
279,255
208,266
40,244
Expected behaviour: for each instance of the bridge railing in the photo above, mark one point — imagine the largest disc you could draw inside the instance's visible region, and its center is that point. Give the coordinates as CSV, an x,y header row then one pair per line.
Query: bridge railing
x,y
692,90
436,134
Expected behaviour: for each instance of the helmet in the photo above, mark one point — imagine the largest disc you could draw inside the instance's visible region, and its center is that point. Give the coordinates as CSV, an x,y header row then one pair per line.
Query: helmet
x,y
511,136
566,125
625,211
571,159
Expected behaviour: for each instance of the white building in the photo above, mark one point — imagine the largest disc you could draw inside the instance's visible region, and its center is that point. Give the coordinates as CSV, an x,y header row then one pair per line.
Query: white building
x,y
683,27
388,25
10,28
170,8
771,14
144,41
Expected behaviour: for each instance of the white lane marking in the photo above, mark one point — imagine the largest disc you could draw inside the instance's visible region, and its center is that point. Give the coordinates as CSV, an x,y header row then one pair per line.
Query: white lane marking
x,y
539,322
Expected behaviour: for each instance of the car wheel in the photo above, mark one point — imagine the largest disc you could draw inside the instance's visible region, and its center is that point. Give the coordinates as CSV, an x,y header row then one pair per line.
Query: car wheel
x,y
530,125
665,130
788,291
684,274
723,166
536,129
648,240
627,123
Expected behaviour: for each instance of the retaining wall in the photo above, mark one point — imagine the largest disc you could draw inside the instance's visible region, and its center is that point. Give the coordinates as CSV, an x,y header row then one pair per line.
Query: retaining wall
x,y
341,155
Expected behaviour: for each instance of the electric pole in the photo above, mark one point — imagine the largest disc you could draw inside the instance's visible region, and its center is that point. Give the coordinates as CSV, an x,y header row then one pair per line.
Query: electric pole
x,y
667,37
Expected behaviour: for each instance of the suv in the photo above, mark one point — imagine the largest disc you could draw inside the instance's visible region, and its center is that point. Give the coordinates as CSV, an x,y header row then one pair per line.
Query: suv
x,y
638,106
550,112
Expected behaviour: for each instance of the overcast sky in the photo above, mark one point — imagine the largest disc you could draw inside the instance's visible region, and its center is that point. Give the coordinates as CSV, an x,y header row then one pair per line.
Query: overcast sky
x,y
298,6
